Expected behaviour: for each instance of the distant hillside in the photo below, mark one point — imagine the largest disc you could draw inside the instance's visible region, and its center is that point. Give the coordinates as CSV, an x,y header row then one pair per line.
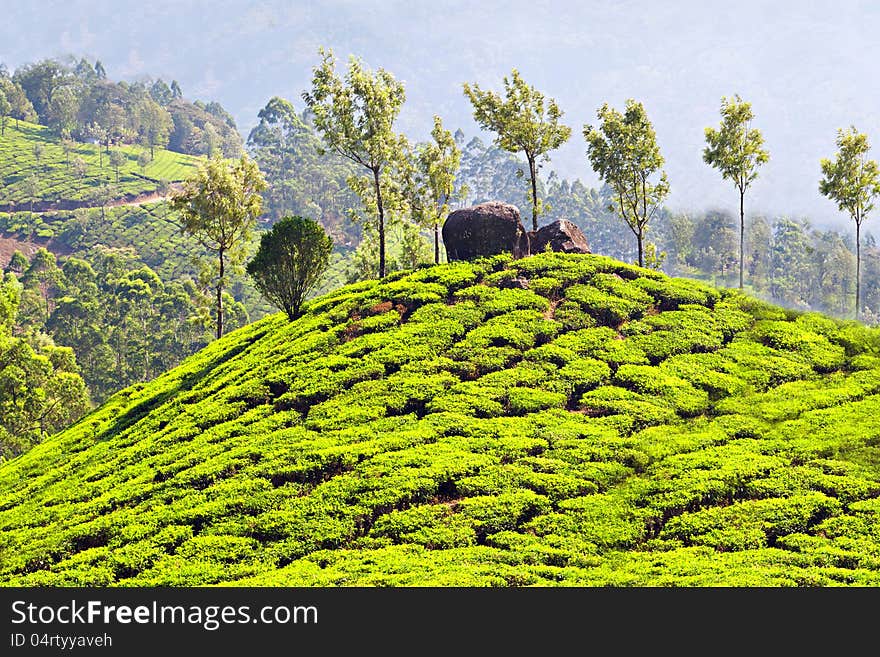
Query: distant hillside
x,y
37,173
559,419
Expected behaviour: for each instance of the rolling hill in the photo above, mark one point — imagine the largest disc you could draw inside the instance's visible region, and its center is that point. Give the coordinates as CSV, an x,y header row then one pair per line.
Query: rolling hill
x,y
556,420
56,182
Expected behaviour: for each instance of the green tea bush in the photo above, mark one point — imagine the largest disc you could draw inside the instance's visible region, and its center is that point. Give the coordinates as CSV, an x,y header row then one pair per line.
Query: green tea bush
x,y
439,428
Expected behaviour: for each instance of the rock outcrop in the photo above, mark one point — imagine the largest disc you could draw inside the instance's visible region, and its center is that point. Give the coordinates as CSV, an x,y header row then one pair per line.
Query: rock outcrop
x,y
562,236
483,230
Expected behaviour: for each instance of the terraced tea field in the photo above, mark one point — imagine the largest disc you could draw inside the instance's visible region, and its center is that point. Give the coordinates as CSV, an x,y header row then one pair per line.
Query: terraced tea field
x,y
54,178
556,420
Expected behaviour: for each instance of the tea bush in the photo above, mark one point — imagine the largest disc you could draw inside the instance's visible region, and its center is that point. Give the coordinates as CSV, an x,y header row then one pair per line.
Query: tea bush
x,y
554,420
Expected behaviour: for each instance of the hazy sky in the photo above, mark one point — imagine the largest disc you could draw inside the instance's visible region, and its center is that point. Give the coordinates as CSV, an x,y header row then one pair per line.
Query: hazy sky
x,y
807,68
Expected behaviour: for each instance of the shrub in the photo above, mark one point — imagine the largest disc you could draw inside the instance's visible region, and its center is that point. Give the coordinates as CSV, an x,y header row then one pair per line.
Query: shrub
x,y
522,401
678,393
292,257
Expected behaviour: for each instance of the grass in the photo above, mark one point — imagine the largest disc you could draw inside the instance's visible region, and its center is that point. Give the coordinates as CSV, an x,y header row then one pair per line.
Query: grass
x,y
57,181
606,425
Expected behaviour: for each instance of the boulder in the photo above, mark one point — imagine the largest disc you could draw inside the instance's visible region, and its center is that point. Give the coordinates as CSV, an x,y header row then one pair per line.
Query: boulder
x,y
562,236
483,230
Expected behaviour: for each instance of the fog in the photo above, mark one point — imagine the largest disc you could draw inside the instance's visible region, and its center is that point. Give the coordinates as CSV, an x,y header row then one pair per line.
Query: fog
x,y
807,70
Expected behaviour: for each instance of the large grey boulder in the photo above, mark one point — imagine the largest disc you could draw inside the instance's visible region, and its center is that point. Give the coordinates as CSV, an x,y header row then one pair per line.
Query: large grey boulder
x,y
483,230
562,236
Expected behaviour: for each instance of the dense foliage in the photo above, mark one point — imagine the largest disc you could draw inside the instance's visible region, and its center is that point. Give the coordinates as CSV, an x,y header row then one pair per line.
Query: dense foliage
x,y
77,100
41,390
122,322
559,419
292,257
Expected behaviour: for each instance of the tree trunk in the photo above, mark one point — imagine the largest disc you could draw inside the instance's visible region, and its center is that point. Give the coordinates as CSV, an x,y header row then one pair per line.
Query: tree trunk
x,y
220,297
640,236
436,243
381,223
742,236
534,175
858,270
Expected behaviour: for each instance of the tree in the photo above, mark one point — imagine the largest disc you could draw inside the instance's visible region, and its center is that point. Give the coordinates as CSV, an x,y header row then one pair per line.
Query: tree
x,y
623,151
175,90
32,189
155,125
38,151
5,111
67,145
63,109
219,207
736,150
80,168
522,124
355,117
117,159
143,161
160,92
853,182
289,264
21,108
111,117
99,70
40,81
432,177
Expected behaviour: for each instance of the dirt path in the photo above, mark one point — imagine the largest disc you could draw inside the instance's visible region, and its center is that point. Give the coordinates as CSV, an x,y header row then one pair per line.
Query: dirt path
x,y
41,207
9,244
152,197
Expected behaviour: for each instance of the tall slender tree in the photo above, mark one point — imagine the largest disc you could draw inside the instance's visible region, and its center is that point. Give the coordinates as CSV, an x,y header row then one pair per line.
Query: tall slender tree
x,y
523,123
355,117
5,111
219,206
853,182
431,181
623,151
736,150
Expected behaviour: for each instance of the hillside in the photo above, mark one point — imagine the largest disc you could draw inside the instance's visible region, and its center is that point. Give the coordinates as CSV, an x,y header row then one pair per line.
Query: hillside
x,y
52,180
560,419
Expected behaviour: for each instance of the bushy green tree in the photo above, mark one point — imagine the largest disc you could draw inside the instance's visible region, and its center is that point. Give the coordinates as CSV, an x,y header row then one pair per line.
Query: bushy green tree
x,y
292,257
853,182
736,150
623,150
155,125
523,122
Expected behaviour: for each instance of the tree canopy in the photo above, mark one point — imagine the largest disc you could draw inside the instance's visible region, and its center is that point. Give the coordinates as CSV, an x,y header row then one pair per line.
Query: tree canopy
x,y
219,206
736,150
623,150
853,182
524,122
290,261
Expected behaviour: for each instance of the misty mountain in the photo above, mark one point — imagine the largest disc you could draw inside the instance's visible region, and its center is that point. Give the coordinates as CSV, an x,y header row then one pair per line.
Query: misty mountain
x,y
806,69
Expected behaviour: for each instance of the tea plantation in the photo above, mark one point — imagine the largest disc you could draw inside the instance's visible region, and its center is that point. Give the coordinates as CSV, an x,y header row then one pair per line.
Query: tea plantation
x,y
556,420
34,167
